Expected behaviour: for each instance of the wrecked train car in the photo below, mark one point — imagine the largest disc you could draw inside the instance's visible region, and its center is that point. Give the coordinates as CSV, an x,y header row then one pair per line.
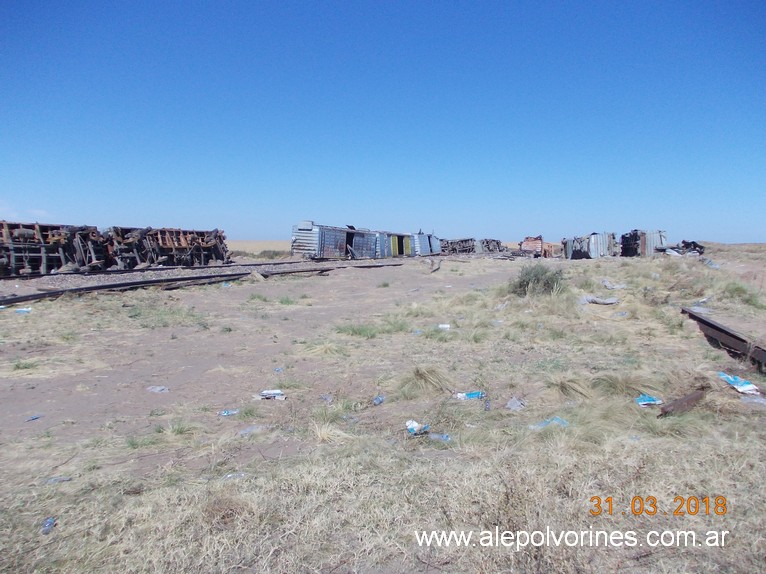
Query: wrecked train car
x,y
38,248
471,245
455,246
314,241
426,244
591,246
131,247
639,243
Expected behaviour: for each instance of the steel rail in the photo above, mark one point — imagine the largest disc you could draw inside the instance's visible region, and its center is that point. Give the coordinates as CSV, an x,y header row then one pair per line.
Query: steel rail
x,y
164,283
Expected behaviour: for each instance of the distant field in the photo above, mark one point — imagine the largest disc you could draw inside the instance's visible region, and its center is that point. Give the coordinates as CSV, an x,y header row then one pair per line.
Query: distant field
x,y
256,247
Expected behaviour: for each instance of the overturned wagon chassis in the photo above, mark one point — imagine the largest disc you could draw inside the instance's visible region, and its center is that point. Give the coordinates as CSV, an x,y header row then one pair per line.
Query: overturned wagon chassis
x,y
130,247
38,249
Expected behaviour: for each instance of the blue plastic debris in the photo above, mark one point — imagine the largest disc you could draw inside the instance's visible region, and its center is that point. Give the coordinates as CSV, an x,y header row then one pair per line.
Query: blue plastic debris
x,y
554,420
645,400
470,395
740,385
48,525
33,418
417,429
229,412
440,437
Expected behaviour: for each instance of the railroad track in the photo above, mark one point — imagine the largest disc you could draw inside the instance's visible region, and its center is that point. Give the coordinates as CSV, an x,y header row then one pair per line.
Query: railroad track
x,y
56,285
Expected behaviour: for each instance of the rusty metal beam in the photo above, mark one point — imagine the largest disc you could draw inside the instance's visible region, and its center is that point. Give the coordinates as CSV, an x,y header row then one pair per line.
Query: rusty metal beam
x,y
727,338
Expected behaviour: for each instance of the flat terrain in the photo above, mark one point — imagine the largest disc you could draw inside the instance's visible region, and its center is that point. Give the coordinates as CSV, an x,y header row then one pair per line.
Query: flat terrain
x,y
144,481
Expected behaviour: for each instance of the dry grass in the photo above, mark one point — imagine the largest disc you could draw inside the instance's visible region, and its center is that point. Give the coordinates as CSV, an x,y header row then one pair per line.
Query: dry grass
x,y
341,487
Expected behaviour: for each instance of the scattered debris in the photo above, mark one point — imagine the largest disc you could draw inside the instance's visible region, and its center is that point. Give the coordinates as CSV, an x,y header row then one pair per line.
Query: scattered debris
x,y
58,479
417,332
273,394
469,395
710,263
515,404
683,404
228,412
609,285
278,370
740,385
416,429
598,300
645,400
157,389
553,420
439,437
444,326
621,313
487,405
234,476
48,525
378,400
684,248
33,418
326,398
24,310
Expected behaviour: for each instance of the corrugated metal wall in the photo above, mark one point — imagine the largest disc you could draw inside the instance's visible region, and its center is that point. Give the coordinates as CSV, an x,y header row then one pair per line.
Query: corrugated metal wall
x,y
602,245
652,239
426,244
305,240
640,243
364,244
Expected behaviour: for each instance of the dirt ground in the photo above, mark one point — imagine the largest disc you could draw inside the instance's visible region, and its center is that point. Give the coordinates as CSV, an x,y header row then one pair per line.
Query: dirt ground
x,y
77,403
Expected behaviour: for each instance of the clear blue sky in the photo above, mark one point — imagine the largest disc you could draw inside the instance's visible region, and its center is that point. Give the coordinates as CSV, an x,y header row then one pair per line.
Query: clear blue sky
x,y
484,119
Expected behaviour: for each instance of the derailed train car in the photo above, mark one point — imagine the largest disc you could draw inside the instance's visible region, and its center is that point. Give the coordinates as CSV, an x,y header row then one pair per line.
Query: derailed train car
x,y
38,249
315,241
591,246
471,245
639,243
129,247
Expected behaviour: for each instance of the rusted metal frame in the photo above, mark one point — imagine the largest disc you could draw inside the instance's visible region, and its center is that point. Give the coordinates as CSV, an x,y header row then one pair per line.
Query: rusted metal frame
x,y
728,338
165,283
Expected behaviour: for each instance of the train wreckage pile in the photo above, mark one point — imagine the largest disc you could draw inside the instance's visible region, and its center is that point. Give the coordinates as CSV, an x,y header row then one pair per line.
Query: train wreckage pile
x,y
39,249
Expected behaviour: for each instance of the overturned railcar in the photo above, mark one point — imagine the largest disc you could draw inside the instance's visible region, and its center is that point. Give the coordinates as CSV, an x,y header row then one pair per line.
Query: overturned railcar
x,y
471,245
426,244
639,243
130,247
314,241
39,248
591,246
